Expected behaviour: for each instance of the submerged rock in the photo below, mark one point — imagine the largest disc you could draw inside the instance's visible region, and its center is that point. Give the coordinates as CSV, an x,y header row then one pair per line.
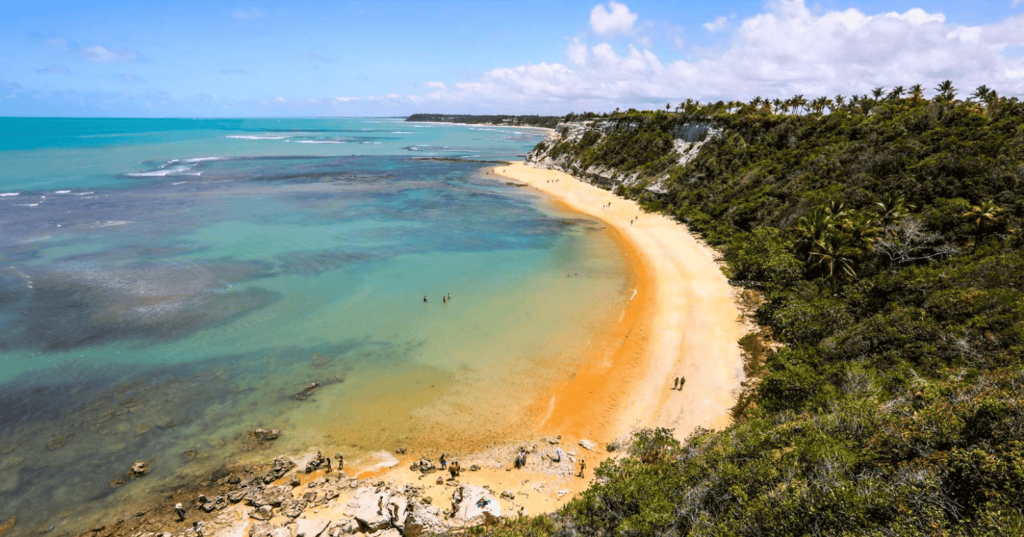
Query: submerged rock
x,y
265,435
140,468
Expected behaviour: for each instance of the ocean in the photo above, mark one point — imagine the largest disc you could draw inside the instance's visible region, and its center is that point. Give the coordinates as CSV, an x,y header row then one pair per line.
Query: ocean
x,y
168,285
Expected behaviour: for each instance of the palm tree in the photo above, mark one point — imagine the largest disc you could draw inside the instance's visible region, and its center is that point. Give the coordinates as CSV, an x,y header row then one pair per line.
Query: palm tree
x,y
981,93
986,211
896,93
799,102
834,259
840,100
916,93
878,92
861,229
946,90
811,229
892,208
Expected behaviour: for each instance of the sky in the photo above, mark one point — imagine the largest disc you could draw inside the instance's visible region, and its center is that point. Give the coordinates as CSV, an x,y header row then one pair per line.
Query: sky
x,y
254,58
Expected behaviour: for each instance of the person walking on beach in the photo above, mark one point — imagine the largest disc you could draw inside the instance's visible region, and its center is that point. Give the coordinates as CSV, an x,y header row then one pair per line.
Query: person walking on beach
x,y
583,466
444,462
675,385
341,461
327,460
424,299
180,511
453,470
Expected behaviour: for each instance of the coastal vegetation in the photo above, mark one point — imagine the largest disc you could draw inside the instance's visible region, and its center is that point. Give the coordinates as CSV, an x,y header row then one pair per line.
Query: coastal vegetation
x,y
886,386
548,122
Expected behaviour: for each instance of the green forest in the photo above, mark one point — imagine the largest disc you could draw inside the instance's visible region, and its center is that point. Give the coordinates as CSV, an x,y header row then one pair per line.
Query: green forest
x,y
883,231
548,122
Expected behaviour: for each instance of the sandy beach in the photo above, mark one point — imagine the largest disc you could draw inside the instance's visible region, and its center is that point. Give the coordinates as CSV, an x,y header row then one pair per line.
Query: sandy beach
x,y
682,322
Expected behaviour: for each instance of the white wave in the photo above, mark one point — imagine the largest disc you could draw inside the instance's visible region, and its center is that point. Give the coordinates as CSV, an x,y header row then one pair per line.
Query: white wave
x,y
241,137
179,183
202,159
62,192
109,223
83,193
27,204
161,173
319,142
6,194
401,132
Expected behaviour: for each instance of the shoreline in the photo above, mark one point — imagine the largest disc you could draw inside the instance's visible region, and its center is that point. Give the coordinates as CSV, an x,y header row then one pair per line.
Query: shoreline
x,y
691,326
680,319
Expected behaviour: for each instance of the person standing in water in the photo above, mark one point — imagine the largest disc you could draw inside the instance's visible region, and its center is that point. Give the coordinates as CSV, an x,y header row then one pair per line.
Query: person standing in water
x,y
424,299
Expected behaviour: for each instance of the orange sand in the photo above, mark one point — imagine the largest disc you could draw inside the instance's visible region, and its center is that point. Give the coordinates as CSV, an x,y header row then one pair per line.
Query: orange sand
x,y
683,322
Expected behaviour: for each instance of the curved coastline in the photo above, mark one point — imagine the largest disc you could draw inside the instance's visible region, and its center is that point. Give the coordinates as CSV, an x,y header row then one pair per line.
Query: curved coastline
x,y
687,324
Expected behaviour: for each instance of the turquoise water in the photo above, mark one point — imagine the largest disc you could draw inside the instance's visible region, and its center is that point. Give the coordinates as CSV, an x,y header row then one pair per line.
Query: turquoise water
x,y
168,285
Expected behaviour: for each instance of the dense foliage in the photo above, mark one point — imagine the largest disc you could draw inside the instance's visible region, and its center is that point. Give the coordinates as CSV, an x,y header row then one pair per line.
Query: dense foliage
x,y
548,122
885,238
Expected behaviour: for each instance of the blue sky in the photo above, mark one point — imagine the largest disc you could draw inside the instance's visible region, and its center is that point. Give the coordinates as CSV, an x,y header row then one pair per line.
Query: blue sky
x,y
102,58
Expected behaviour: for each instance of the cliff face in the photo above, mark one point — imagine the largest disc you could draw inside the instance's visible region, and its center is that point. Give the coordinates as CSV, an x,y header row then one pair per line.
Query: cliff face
x,y
566,149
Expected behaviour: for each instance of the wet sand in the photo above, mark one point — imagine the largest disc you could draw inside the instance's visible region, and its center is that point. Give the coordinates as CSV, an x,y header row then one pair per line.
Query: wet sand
x,y
683,322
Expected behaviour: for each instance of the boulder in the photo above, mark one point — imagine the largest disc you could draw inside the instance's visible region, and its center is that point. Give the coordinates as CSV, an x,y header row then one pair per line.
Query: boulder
x,y
214,504
345,527
236,495
387,533
507,495
265,529
421,520
264,512
282,465
473,505
588,445
365,507
397,507
274,496
293,508
310,528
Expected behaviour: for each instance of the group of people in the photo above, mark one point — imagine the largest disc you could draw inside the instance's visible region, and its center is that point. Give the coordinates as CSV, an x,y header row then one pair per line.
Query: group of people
x,y
444,298
453,469
679,383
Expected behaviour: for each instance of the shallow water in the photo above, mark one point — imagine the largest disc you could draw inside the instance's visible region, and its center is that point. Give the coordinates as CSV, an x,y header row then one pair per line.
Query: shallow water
x,y
166,286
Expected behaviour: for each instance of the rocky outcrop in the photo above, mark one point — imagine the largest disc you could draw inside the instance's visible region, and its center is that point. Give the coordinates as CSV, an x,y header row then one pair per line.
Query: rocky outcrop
x,y
311,528
367,507
423,520
473,505
559,149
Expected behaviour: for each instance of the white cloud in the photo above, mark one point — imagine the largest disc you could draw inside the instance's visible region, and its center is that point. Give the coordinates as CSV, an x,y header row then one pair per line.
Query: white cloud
x,y
577,52
1017,2
100,53
716,24
437,85
346,99
248,14
613,20
784,51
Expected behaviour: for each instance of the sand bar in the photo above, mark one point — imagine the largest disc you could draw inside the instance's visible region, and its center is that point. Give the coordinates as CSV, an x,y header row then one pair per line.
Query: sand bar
x,y
688,324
